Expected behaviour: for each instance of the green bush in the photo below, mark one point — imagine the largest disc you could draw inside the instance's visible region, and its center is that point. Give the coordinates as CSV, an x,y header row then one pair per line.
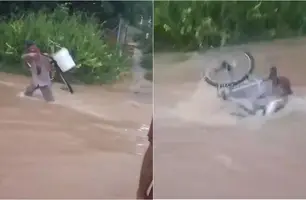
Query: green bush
x,y
96,61
202,24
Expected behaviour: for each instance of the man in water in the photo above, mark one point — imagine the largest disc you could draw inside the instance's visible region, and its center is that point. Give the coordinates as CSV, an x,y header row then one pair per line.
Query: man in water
x,y
275,94
40,68
146,173
281,85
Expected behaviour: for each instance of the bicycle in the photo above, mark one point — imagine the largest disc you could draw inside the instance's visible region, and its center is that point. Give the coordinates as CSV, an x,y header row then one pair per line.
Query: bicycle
x,y
235,83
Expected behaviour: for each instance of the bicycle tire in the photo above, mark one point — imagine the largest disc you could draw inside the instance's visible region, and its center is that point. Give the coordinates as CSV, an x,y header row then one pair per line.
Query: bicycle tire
x,y
236,82
61,75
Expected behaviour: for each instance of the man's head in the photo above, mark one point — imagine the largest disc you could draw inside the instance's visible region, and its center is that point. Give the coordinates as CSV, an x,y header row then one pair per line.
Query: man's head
x,y
280,81
31,50
273,71
28,43
31,47
273,75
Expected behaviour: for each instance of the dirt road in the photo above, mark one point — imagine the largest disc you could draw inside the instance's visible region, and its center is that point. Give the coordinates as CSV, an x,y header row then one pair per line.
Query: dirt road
x,y
86,145
203,152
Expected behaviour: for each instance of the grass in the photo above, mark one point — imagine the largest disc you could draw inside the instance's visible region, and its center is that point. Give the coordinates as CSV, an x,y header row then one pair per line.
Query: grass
x,y
193,25
97,62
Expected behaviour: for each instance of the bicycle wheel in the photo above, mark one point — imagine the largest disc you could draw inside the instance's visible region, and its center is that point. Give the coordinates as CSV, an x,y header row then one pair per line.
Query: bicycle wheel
x,y
61,75
241,68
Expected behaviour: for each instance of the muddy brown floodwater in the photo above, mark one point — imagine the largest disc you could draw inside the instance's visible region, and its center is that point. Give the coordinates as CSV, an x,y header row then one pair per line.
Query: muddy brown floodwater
x,y
86,145
203,152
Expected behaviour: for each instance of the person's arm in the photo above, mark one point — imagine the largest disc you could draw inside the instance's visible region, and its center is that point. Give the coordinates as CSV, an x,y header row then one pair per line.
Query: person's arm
x,y
26,62
146,173
36,58
28,55
26,58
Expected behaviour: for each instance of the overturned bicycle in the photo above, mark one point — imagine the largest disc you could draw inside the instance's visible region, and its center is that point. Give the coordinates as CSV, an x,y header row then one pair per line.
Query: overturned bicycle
x,y
251,95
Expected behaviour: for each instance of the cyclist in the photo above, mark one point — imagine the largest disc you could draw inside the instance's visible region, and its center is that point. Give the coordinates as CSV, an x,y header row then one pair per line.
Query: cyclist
x,y
40,68
275,95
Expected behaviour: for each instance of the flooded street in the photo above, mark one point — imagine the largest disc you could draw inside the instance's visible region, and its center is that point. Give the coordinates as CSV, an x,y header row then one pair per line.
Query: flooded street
x,y
201,151
85,145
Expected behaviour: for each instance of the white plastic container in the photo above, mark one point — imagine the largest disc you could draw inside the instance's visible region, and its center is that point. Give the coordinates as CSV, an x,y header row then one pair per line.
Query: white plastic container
x,y
64,60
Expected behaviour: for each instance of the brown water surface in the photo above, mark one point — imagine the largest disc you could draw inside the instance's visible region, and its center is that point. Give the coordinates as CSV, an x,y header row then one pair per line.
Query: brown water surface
x,y
85,145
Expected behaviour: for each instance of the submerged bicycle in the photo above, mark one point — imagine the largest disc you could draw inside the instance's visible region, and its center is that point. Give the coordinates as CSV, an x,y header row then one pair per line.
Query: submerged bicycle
x,y
235,83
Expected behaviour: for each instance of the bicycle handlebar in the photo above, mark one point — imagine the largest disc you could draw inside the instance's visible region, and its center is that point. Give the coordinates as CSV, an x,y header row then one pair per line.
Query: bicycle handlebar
x,y
48,56
51,58
72,53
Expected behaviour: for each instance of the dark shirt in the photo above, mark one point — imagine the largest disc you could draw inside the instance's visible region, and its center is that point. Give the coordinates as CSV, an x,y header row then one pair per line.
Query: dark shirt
x,y
285,84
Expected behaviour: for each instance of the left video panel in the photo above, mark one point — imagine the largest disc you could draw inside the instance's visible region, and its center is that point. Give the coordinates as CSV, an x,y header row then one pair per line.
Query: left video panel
x,y
77,79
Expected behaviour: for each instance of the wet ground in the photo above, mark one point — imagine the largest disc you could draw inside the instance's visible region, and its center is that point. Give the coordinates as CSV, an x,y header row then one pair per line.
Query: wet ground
x,y
203,152
86,145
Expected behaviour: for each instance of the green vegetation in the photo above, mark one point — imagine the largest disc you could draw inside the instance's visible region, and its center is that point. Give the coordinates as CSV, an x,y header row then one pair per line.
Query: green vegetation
x,y
186,25
96,61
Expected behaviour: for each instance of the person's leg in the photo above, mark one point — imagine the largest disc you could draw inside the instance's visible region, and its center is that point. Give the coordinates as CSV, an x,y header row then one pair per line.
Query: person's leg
x,y
30,90
47,93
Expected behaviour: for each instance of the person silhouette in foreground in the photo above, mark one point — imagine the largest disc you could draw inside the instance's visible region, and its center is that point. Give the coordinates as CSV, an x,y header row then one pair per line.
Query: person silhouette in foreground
x,y
40,68
146,173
